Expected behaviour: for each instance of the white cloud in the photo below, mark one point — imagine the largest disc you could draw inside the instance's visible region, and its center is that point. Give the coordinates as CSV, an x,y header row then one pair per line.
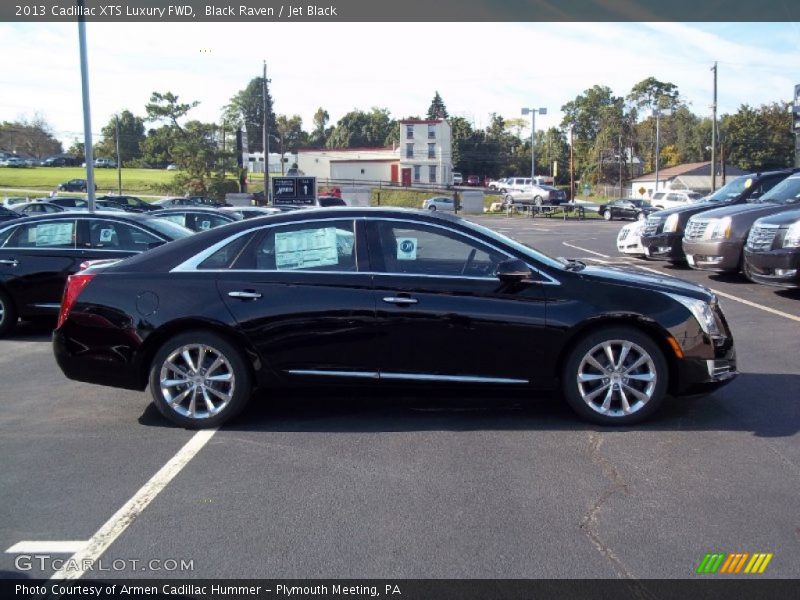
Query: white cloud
x,y
478,68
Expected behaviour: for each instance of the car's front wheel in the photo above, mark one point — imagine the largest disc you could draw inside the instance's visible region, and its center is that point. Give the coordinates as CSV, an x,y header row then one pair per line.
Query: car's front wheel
x,y
641,216
615,376
198,379
537,200
8,314
607,215
432,208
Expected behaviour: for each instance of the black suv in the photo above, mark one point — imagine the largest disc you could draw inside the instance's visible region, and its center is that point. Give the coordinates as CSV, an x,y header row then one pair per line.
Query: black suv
x,y
663,233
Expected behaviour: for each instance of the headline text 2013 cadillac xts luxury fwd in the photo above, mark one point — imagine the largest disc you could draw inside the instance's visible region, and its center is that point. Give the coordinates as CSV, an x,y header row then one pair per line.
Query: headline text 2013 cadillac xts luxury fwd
x,y
384,296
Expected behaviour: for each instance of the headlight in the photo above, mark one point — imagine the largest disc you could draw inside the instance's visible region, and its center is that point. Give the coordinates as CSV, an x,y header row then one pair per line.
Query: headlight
x,y
792,237
702,311
671,224
718,229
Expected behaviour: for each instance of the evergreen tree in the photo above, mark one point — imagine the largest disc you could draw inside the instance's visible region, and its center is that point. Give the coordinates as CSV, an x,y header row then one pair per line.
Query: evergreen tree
x,y
437,109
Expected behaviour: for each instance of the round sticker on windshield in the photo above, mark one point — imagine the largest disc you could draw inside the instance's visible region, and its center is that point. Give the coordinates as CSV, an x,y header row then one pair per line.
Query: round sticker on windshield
x,y
748,183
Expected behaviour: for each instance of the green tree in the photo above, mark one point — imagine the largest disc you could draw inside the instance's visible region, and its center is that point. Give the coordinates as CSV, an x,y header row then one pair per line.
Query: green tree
x,y
651,93
157,146
374,129
758,139
321,131
437,109
289,134
32,137
246,109
131,136
77,149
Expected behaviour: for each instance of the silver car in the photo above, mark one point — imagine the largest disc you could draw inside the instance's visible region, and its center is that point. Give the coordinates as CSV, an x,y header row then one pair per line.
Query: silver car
x,y
439,203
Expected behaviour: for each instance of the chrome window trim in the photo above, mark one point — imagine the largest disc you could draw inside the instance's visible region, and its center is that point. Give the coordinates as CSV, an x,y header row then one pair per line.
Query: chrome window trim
x,y
44,248
325,373
76,247
191,264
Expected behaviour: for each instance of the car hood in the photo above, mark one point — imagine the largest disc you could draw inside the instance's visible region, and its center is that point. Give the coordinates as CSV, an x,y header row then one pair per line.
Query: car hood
x,y
693,208
782,218
630,277
738,209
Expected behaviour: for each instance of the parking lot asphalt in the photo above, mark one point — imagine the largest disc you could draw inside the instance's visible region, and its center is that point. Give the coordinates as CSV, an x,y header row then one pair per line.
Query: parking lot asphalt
x,y
344,482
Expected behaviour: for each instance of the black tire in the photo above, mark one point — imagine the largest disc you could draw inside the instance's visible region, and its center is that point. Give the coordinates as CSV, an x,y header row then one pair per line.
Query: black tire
x,y
432,208
537,200
641,216
198,381
607,215
8,314
586,397
509,200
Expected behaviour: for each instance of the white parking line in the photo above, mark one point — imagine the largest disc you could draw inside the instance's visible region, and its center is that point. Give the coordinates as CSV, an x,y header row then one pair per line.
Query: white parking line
x,y
48,547
126,515
773,311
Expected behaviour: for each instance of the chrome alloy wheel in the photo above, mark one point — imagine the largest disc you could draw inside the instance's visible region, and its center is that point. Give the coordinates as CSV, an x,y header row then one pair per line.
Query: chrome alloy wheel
x,y
197,381
616,378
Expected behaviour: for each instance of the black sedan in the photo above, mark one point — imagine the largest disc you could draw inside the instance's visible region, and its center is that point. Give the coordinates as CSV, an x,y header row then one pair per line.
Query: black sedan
x,y
197,218
129,203
626,208
38,253
390,297
189,201
75,185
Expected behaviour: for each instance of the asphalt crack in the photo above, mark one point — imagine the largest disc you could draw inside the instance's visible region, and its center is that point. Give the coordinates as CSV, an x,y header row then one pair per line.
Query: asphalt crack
x,y
589,521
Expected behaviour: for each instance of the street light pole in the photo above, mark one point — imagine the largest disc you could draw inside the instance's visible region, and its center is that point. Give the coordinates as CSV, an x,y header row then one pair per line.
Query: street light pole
x,y
119,158
533,111
265,132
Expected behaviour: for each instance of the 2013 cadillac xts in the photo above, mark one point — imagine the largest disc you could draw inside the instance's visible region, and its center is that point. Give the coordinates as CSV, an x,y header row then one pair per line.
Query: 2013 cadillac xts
x,y
384,296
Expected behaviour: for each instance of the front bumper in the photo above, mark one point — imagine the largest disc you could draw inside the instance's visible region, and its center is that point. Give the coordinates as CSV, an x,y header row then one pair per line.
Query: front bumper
x,y
664,246
761,267
720,256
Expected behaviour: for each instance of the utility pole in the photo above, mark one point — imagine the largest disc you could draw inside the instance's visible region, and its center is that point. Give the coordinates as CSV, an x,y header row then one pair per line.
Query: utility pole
x,y
714,132
619,161
571,164
87,118
265,134
119,158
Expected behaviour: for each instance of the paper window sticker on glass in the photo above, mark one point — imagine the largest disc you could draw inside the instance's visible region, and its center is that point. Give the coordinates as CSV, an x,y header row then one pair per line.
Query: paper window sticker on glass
x,y
204,225
306,249
53,234
106,235
407,248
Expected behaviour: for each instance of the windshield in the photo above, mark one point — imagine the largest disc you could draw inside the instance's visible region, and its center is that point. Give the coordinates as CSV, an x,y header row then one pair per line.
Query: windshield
x,y
172,230
518,246
731,190
786,192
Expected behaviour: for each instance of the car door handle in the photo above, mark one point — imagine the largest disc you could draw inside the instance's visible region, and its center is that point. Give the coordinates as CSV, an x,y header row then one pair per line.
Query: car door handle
x,y
399,300
245,295
13,262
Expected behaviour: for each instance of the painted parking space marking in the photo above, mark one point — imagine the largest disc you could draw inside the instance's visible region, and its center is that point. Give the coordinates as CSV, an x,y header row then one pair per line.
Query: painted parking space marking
x,y
131,510
48,547
768,309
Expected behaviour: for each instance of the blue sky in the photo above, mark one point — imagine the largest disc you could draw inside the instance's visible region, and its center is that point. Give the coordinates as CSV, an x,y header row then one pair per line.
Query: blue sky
x,y
478,68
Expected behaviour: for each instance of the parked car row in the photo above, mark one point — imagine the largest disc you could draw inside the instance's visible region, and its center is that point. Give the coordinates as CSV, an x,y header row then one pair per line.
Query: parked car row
x,y
750,225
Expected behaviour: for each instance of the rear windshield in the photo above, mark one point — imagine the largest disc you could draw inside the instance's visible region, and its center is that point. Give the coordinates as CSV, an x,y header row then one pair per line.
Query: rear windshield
x,y
172,230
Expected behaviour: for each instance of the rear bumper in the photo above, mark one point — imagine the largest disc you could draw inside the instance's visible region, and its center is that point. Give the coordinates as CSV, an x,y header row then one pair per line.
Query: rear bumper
x,y
761,267
722,256
664,246
104,364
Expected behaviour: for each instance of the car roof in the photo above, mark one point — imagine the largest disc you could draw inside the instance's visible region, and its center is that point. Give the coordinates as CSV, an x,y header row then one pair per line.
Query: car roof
x,y
187,208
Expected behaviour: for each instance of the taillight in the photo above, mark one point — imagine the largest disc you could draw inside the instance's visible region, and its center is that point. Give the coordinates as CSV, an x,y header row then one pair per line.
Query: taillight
x,y
73,289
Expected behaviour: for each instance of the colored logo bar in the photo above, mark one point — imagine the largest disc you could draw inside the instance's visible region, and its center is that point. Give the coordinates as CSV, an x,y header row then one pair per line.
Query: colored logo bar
x,y
734,563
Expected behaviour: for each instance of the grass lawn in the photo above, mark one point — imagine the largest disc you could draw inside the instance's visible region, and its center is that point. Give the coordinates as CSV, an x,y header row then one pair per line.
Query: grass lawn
x,y
46,179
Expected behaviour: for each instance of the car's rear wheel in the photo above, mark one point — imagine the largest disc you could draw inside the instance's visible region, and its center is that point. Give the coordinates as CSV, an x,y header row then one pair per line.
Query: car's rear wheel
x,y
607,215
615,376
641,216
432,208
198,379
8,314
509,200
537,200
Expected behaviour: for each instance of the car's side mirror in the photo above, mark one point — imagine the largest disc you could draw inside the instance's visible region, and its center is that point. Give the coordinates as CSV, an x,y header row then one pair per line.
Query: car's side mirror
x,y
513,270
